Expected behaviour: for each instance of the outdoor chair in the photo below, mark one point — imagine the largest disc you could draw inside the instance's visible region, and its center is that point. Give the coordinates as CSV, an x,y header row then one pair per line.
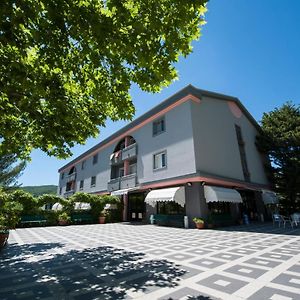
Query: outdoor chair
x,y
280,219
295,218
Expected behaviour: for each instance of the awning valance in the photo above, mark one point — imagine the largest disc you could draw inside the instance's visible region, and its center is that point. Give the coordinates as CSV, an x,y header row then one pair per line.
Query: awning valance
x,y
109,206
82,206
176,194
122,192
269,197
220,194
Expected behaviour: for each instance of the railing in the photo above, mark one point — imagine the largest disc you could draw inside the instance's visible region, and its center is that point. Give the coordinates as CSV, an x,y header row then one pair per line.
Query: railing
x,y
69,193
116,160
129,151
71,177
113,185
126,153
124,182
128,181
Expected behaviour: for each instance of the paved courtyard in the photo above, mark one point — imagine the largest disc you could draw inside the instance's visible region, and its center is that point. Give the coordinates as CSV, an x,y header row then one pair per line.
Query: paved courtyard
x,y
121,261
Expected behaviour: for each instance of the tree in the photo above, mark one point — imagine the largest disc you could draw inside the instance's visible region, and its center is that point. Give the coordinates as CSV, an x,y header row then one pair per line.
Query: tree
x,y
281,141
10,170
67,66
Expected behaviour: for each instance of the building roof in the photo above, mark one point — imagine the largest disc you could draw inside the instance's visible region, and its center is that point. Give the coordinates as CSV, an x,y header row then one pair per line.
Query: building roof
x,y
188,90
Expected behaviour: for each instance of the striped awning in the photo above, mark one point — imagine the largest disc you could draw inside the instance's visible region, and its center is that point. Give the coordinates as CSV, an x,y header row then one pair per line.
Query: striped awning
x,y
57,206
220,194
269,197
82,206
176,194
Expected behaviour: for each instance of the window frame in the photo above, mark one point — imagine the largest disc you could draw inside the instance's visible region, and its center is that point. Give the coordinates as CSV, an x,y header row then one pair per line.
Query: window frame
x,y
81,187
160,153
93,184
83,164
95,159
155,123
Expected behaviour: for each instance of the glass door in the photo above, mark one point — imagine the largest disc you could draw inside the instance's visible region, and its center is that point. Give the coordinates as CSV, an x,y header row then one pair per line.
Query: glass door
x,y
136,206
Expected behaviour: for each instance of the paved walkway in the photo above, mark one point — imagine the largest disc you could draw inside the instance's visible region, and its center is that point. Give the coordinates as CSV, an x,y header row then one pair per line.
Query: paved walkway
x,y
120,261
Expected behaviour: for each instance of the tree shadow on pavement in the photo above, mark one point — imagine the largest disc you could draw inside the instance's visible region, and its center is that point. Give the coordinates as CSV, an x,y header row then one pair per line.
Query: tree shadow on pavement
x,y
41,271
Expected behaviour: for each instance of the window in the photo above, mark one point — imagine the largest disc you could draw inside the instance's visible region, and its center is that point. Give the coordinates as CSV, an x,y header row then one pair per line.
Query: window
x,y
60,190
95,159
170,208
219,207
81,184
83,165
242,150
69,186
62,175
93,181
160,160
121,172
159,126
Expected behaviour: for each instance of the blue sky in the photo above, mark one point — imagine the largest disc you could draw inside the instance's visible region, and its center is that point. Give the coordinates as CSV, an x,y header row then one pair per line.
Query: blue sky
x,y
248,49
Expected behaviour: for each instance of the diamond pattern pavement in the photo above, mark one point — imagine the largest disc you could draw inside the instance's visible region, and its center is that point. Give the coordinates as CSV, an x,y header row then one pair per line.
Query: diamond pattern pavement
x,y
124,261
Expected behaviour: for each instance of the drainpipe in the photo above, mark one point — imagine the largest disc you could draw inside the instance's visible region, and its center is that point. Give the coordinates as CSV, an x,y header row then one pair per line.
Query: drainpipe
x,y
126,172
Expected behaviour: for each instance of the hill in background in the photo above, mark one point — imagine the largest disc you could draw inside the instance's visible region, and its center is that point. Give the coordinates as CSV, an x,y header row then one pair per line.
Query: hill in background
x,y
40,189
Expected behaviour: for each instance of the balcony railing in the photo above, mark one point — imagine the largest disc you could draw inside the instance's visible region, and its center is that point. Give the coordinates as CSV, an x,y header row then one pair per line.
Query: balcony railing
x,y
71,177
116,159
124,182
128,181
126,153
129,151
69,193
113,185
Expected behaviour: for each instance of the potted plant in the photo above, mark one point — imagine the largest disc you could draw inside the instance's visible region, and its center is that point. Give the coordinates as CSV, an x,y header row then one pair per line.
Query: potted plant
x,y
210,221
199,223
102,217
63,219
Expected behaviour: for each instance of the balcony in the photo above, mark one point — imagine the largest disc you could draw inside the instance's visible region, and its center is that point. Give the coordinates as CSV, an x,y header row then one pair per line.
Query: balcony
x,y
128,181
71,177
113,185
125,182
129,151
116,159
69,193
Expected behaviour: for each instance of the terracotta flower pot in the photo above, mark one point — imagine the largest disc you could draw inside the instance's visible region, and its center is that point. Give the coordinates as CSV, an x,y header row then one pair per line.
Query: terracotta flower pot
x,y
101,220
200,225
3,239
63,222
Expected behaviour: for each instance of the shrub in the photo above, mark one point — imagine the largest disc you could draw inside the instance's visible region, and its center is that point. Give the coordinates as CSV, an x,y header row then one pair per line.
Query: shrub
x,y
9,212
48,199
64,217
28,202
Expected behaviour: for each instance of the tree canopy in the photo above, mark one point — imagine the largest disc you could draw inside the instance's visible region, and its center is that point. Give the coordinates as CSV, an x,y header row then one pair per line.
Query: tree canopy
x,y
67,66
281,141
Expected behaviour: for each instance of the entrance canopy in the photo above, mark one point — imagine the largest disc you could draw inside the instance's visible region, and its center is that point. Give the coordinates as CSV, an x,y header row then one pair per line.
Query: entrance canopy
x,y
269,197
122,192
220,194
176,194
